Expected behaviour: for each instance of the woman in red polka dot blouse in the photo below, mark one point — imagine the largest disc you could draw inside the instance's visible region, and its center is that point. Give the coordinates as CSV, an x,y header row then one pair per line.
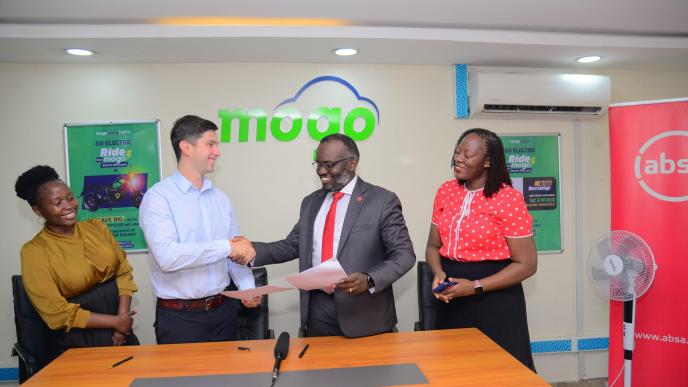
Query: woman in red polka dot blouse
x,y
481,238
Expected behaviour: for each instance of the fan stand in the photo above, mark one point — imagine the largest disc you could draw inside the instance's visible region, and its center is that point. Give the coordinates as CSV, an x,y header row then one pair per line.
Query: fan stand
x,y
625,256
628,338
629,331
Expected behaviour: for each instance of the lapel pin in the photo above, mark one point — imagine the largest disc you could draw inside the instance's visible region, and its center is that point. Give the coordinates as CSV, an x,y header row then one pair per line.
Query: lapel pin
x,y
359,198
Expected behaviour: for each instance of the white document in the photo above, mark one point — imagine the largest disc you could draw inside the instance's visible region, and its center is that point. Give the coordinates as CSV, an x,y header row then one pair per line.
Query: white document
x,y
319,277
252,293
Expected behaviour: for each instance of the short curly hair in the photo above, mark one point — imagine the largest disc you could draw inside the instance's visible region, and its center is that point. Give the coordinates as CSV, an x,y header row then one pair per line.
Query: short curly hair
x,y
29,182
347,141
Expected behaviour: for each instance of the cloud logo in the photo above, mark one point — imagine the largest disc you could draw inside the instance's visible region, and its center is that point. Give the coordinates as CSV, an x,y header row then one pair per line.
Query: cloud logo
x,y
330,78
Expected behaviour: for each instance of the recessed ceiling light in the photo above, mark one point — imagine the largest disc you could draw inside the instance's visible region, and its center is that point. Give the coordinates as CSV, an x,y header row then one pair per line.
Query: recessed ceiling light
x,y
589,59
346,51
78,51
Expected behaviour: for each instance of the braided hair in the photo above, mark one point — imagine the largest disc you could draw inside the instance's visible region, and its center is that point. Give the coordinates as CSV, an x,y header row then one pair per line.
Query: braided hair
x,y
497,173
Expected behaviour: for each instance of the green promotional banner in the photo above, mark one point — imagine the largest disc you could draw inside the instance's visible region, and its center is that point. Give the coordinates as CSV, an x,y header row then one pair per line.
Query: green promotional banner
x,y
110,166
533,162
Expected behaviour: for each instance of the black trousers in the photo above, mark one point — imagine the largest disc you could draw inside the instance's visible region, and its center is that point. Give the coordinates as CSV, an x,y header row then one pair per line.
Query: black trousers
x,y
322,315
174,326
103,298
499,314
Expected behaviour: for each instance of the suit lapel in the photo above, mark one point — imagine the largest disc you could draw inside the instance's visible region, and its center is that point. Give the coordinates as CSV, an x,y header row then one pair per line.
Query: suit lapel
x,y
315,205
356,203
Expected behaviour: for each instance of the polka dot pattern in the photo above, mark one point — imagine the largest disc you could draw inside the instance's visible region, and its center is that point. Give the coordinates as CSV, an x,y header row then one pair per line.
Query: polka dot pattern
x,y
473,227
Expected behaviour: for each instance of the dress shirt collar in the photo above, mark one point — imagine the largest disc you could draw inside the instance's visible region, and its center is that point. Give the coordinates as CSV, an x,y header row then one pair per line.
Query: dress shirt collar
x,y
349,187
184,184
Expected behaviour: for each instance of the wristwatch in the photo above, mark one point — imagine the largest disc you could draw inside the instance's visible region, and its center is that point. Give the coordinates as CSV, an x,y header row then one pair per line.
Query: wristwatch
x,y
478,287
371,283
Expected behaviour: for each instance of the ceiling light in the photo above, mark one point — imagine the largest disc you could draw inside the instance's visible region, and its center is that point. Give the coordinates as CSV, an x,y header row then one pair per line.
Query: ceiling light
x,y
589,59
250,21
78,52
582,79
346,51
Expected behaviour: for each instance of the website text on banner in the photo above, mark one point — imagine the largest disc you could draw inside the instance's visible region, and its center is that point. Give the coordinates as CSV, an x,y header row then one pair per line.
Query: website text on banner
x,y
649,187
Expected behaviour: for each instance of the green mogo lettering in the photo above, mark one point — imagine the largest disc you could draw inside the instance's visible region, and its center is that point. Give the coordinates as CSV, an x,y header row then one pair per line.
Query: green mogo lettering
x,y
276,124
333,116
368,127
227,116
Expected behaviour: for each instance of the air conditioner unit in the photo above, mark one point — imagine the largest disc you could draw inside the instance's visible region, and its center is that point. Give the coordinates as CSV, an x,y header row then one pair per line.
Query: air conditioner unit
x,y
560,96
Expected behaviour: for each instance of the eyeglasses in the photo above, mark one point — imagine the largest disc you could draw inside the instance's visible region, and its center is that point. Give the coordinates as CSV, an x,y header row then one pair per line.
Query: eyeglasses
x,y
330,165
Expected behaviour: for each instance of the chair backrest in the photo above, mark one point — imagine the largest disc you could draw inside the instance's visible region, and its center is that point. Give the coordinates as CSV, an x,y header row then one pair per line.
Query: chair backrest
x,y
32,332
253,323
427,303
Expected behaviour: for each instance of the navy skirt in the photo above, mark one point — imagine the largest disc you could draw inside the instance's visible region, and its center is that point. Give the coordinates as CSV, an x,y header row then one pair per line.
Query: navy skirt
x,y
499,314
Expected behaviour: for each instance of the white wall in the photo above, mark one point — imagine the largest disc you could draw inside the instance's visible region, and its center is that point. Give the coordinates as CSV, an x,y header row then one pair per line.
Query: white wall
x,y
408,153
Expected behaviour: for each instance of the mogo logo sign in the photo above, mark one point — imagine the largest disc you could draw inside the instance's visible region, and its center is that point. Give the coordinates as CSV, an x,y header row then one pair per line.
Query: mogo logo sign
x,y
287,122
661,166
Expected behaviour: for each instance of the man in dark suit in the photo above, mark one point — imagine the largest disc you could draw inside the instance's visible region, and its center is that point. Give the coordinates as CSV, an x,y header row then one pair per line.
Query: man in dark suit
x,y
364,229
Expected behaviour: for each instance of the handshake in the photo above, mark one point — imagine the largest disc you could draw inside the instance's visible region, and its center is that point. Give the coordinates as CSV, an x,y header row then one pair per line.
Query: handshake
x,y
242,250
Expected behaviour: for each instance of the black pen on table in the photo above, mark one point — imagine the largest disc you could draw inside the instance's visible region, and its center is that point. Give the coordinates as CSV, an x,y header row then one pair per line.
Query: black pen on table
x,y
303,351
126,359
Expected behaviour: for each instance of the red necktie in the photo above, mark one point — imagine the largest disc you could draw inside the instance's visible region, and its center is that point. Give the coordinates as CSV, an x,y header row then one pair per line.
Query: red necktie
x,y
328,232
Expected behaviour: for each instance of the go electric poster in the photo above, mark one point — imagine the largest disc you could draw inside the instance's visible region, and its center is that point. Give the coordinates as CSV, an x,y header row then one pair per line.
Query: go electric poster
x,y
533,162
110,166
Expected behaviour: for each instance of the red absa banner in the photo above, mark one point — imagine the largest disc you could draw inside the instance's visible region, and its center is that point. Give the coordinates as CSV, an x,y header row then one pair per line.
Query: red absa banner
x,y
648,144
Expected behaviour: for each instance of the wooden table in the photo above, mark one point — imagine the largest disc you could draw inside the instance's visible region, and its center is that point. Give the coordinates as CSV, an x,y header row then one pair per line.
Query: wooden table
x,y
456,357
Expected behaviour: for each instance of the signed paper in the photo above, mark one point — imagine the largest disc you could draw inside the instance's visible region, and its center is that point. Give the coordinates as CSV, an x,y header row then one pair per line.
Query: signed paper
x,y
319,277
250,294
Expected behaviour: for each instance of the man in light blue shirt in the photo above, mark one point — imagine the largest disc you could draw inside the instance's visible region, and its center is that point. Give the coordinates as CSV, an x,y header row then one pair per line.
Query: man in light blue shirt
x,y
189,225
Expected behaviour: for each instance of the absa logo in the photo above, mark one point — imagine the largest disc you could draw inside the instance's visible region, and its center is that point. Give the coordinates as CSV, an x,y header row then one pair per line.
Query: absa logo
x,y
661,166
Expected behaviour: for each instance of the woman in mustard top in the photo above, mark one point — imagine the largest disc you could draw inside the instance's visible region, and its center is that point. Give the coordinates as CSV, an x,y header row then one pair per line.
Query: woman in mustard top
x,y
75,274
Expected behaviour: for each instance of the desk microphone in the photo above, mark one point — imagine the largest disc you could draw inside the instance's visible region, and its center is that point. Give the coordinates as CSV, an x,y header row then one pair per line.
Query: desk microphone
x,y
281,351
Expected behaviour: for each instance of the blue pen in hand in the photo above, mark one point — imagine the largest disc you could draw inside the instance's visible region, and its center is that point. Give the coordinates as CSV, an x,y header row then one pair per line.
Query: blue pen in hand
x,y
444,285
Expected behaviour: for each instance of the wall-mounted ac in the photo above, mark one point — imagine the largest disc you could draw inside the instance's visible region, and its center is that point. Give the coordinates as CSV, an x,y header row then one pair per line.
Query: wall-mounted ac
x,y
559,96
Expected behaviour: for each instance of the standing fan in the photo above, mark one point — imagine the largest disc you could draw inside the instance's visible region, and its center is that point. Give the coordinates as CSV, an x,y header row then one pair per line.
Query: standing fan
x,y
621,267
